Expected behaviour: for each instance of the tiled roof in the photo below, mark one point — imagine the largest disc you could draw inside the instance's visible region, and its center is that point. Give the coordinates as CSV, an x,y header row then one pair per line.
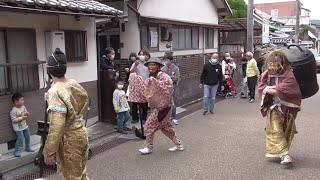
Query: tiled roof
x,y
75,6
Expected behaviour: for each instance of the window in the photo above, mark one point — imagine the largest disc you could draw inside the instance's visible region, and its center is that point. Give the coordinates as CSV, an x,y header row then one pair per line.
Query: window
x,y
76,46
18,61
274,12
195,38
184,38
210,39
149,37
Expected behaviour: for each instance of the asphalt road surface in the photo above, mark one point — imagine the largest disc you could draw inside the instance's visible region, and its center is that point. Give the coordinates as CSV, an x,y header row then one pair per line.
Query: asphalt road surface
x,y
227,145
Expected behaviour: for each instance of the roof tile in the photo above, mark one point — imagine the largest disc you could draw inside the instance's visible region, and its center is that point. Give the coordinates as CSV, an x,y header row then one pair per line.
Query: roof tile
x,y
78,6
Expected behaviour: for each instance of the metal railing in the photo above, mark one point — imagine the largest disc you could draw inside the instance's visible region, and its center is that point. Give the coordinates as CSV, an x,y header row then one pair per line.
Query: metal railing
x,y
21,77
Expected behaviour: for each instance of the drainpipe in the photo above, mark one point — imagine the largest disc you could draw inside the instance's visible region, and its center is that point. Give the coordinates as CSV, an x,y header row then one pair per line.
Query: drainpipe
x,y
204,47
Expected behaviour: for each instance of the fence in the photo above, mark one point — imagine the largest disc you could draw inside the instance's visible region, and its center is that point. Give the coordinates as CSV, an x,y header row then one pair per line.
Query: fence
x,y
20,77
189,65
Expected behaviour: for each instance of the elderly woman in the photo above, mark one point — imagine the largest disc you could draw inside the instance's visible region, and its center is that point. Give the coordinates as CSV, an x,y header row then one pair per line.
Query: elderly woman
x,y
252,75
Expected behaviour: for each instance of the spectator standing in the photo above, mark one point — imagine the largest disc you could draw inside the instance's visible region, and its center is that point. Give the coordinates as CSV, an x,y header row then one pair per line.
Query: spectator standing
x,y
106,61
132,58
140,69
173,71
252,75
244,93
19,115
210,80
121,107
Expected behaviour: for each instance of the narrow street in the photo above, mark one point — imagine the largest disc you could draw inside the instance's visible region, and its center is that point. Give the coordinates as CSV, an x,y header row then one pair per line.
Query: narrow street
x,y
227,145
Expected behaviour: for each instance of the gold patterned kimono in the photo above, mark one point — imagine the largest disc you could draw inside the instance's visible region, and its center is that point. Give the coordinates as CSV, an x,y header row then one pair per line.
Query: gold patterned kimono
x,y
67,136
281,111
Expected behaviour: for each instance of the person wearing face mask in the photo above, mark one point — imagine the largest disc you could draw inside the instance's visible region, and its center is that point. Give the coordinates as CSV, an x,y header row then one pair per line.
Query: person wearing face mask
x,y
210,79
132,58
173,71
140,69
121,106
106,62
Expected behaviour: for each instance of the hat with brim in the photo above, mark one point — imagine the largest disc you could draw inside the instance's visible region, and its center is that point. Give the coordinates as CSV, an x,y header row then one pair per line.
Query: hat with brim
x,y
154,60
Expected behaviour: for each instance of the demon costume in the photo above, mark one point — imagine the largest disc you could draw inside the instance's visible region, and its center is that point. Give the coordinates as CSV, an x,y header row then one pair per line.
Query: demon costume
x,y
281,111
157,91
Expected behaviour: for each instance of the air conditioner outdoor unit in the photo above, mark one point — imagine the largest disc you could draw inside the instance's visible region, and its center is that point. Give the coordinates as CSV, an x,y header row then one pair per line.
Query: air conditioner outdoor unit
x,y
54,39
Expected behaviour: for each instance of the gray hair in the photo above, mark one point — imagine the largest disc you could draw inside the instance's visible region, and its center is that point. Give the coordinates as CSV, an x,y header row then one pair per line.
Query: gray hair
x,y
249,54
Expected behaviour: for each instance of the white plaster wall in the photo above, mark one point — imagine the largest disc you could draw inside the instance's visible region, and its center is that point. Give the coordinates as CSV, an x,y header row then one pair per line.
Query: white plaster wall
x,y
82,72
205,12
131,37
200,11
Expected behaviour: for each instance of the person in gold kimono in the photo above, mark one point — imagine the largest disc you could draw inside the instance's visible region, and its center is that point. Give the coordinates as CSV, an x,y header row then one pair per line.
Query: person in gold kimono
x,y
280,101
67,142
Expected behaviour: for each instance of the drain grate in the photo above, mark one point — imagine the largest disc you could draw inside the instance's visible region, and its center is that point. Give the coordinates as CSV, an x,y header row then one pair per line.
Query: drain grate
x,y
48,171
95,151
107,146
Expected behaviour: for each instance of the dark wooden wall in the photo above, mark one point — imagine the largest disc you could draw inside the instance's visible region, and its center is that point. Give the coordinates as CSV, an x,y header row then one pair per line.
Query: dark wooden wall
x,y
36,106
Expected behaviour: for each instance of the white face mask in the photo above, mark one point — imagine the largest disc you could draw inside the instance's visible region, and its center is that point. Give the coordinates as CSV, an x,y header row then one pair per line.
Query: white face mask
x,y
142,58
112,57
214,60
120,86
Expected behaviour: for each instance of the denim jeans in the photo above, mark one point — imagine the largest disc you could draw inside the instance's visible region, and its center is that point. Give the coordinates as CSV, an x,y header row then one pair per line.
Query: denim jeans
x,y
209,97
20,135
174,107
123,118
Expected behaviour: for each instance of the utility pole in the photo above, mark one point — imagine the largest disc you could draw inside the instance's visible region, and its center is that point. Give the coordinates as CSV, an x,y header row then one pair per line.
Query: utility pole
x,y
250,24
297,29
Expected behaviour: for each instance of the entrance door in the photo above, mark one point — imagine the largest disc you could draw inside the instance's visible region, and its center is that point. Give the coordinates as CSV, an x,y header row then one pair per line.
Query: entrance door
x,y
103,44
115,44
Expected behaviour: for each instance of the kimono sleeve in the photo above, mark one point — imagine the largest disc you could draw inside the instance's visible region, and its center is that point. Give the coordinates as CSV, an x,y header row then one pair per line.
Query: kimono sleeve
x,y
57,112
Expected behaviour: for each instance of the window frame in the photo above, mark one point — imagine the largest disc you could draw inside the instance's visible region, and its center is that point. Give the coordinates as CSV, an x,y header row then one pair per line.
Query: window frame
x,y
148,45
273,12
185,28
208,46
31,68
83,46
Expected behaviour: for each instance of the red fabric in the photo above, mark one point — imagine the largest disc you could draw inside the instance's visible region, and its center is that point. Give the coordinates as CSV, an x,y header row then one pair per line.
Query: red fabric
x,y
159,91
137,89
288,90
231,84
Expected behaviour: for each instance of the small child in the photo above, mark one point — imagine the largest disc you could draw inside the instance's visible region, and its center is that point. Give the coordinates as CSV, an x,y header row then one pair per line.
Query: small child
x,y
19,116
121,107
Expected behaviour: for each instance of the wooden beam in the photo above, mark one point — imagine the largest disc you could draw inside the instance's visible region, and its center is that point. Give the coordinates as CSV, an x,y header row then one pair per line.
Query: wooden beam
x,y
222,10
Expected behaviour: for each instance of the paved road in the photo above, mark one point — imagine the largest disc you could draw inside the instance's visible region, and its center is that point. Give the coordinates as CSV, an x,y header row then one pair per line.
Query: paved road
x,y
227,145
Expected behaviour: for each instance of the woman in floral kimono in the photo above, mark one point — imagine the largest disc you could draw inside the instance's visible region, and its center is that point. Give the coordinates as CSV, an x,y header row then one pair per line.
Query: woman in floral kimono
x,y
280,102
157,91
67,141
